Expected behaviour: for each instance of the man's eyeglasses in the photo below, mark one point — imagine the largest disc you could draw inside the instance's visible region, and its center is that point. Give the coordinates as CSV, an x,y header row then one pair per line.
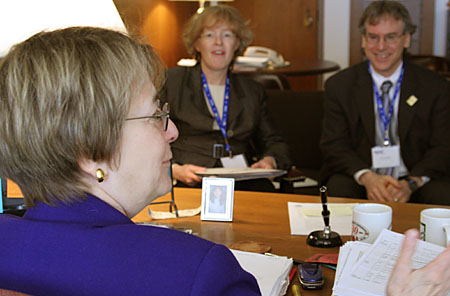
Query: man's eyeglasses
x,y
211,36
161,114
390,39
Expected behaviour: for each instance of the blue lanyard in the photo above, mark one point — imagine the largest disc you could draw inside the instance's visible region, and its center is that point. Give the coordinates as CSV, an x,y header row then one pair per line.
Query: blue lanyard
x,y
386,119
221,122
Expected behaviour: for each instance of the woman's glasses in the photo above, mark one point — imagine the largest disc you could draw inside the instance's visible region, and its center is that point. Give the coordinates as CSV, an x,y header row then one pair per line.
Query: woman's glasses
x,y
211,36
161,114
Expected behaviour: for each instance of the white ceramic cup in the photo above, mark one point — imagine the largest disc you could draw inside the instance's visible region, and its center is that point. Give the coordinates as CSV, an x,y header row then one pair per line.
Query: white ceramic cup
x,y
435,226
369,219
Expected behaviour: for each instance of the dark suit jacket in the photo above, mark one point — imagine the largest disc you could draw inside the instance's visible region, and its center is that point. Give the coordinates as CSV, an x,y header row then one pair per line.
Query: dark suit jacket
x,y
90,248
349,126
250,130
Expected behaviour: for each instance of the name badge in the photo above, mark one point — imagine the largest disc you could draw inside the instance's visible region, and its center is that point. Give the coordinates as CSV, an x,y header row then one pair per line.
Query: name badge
x,y
235,162
385,157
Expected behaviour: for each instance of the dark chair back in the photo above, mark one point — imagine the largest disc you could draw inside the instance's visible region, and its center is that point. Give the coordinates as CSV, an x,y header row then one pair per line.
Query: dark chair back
x,y
434,63
298,116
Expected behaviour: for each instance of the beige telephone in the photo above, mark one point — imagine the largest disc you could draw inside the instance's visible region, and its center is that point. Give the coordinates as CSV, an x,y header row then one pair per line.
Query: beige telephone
x,y
275,59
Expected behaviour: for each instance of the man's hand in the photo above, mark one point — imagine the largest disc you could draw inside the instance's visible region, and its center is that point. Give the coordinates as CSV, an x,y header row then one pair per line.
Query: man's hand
x,y
186,173
268,162
377,186
431,280
402,194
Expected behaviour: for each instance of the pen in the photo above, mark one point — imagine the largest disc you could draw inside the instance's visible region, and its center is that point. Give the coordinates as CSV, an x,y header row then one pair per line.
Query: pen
x,y
329,266
296,290
325,212
292,273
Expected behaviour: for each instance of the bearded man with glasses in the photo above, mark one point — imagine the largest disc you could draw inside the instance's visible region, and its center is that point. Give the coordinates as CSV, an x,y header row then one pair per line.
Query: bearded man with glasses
x,y
386,134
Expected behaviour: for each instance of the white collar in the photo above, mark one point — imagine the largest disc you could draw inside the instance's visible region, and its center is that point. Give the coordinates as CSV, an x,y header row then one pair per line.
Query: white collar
x,y
379,79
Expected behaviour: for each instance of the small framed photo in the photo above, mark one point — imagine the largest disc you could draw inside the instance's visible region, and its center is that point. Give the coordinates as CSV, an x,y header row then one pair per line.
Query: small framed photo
x,y
217,199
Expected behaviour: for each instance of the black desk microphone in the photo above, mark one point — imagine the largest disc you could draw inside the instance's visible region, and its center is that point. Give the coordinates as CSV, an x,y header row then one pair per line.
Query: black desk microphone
x,y
324,238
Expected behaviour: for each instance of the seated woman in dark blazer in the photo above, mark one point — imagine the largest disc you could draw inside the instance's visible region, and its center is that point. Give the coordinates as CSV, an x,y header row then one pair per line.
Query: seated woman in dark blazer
x,y
83,136
219,113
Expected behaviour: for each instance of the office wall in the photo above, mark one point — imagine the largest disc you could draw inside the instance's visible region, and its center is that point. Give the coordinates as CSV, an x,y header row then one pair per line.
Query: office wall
x,y
440,27
336,32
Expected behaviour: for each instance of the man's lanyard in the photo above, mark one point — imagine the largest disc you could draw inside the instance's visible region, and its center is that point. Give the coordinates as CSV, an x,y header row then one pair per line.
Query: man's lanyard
x,y
386,119
221,122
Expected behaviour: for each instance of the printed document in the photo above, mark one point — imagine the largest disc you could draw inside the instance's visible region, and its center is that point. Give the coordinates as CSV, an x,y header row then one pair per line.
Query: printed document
x,y
364,269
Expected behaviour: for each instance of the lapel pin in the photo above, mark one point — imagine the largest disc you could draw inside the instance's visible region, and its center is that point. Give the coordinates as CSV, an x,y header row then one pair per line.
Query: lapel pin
x,y
412,100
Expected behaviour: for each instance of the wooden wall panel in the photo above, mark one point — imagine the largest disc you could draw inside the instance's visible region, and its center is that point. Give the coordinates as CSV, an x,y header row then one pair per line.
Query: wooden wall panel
x,y
160,22
281,25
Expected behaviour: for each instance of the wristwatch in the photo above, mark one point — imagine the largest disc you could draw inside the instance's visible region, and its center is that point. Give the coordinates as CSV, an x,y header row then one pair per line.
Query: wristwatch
x,y
411,183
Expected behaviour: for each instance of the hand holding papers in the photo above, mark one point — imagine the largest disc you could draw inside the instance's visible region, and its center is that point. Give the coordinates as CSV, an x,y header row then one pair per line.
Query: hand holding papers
x,y
364,269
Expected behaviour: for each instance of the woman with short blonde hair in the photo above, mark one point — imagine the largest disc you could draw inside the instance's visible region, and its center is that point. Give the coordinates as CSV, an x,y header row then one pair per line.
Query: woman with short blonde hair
x,y
84,137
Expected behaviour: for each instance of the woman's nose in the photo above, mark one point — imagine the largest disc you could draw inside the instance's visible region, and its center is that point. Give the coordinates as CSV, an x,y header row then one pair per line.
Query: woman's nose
x,y
171,132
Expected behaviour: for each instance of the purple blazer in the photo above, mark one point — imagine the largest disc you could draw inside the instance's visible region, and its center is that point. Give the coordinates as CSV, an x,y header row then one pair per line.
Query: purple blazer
x,y
90,248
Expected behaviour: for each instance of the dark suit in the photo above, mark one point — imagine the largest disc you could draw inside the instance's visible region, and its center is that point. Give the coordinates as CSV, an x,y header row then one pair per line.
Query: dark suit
x,y
250,131
90,248
349,127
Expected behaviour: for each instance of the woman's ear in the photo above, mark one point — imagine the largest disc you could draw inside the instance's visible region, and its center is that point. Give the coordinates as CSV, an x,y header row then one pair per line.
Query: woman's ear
x,y
92,168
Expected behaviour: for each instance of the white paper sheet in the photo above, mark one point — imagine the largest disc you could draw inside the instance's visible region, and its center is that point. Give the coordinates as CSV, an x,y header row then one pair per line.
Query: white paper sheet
x,y
301,224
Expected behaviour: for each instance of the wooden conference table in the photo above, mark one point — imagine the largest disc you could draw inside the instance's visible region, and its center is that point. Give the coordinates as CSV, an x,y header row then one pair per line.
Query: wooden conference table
x,y
263,217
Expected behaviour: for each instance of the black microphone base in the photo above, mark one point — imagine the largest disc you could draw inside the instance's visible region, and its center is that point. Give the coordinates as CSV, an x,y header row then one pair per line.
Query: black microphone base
x,y
320,239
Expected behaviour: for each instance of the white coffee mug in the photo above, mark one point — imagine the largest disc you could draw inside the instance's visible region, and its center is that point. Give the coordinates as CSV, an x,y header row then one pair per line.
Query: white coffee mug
x,y
435,226
369,219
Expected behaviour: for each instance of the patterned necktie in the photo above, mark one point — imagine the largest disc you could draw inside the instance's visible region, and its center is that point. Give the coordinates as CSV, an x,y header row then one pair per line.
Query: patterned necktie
x,y
385,87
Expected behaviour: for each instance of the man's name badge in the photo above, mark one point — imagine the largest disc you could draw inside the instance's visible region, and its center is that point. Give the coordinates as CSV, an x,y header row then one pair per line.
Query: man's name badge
x,y
235,162
385,157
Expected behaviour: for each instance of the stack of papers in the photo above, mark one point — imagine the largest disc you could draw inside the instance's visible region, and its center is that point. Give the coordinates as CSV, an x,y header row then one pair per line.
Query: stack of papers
x,y
241,173
364,269
271,272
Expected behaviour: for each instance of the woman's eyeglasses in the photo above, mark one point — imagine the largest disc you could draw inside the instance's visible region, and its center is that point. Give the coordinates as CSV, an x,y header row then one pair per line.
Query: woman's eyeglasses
x,y
161,114
211,36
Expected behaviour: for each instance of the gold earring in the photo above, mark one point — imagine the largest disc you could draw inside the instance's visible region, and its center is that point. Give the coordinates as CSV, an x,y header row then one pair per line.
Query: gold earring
x,y
100,175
